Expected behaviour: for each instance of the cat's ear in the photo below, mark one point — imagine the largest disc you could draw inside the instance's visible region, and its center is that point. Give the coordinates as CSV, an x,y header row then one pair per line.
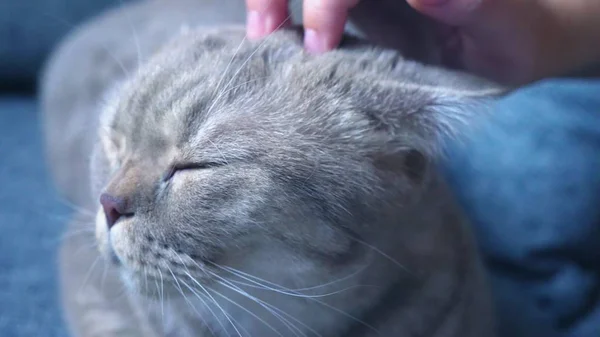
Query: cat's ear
x,y
410,116
412,124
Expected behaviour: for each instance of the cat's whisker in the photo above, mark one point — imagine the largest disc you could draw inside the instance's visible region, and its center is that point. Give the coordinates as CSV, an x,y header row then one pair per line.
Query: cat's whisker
x,y
246,295
72,234
162,284
65,217
75,208
175,279
88,246
222,94
258,301
269,285
270,308
339,280
237,50
248,276
254,52
104,273
124,292
246,310
87,221
330,307
208,294
158,294
145,279
257,285
202,300
207,306
262,287
88,274
186,299
218,150
162,294
296,292
382,253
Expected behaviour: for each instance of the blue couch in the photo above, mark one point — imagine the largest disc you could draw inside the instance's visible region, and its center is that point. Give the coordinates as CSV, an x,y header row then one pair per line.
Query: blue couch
x,y
32,216
530,181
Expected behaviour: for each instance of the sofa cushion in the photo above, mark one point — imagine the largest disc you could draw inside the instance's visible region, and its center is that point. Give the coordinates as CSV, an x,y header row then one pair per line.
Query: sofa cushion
x,y
530,180
32,221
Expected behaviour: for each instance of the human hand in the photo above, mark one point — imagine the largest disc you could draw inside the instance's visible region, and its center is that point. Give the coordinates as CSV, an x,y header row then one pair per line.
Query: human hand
x,y
324,20
511,41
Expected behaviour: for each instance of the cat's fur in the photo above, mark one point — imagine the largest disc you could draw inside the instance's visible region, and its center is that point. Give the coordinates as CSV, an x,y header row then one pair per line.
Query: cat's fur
x,y
319,183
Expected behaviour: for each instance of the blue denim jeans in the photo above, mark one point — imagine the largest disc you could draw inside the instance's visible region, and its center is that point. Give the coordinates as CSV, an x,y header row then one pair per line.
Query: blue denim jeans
x,y
530,181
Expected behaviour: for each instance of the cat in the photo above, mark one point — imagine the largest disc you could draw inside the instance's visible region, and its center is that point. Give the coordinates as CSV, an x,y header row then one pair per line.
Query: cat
x,y
248,188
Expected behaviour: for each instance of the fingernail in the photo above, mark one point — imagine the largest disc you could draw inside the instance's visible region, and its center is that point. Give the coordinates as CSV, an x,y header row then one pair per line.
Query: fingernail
x,y
314,42
255,25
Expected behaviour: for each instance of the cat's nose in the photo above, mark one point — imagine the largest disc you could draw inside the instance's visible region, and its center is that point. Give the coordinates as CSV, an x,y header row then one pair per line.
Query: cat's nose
x,y
114,208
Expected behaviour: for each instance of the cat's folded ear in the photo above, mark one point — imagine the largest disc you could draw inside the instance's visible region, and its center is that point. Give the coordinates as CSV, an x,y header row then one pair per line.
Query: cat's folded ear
x,y
422,115
413,123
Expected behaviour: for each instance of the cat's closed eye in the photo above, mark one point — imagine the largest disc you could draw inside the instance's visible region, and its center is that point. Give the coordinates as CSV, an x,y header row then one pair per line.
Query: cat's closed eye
x,y
173,169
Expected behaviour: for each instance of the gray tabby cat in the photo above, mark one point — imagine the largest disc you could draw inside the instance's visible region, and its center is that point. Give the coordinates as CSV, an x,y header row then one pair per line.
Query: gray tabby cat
x,y
244,188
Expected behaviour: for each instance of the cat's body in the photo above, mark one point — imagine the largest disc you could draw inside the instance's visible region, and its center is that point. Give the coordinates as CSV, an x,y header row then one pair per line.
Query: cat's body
x,y
294,193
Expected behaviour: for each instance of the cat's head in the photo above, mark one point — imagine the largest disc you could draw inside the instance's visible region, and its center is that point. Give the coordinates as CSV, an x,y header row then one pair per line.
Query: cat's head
x,y
226,152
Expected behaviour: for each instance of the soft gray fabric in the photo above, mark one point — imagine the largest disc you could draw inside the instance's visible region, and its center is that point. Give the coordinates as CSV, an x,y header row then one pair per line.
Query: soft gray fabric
x,y
31,220
30,28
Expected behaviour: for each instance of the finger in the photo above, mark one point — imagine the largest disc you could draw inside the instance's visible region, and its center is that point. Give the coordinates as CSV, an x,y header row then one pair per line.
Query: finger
x,y
265,16
324,22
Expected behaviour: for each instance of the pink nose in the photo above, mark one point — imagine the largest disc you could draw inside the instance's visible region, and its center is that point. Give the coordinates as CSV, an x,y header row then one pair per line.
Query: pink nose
x,y
114,208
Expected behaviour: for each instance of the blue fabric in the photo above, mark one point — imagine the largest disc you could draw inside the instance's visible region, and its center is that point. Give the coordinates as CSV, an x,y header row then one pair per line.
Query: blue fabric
x,y
530,181
29,29
31,224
